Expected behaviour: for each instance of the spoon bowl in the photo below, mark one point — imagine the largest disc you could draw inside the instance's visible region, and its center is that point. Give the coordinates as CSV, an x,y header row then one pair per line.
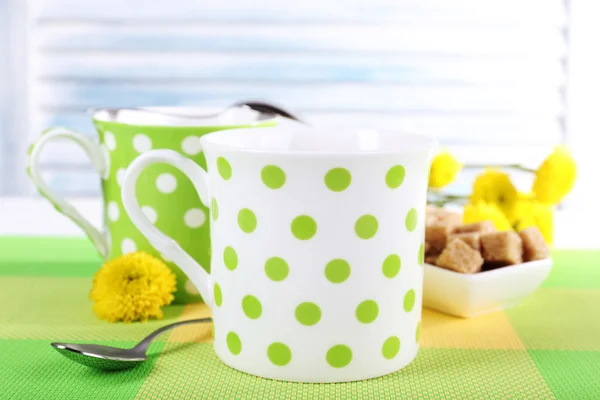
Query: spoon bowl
x,y
100,357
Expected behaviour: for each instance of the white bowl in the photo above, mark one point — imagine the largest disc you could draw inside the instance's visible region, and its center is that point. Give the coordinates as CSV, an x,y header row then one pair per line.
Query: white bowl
x,y
467,296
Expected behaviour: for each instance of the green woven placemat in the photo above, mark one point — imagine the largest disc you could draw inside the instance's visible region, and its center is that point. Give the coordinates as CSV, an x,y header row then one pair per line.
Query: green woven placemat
x,y
546,347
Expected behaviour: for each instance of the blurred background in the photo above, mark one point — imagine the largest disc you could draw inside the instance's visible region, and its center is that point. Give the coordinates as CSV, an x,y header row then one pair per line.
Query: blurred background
x,y
495,80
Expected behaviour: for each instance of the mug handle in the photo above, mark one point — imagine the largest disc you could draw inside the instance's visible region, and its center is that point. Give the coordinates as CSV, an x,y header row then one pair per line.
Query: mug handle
x,y
94,152
168,247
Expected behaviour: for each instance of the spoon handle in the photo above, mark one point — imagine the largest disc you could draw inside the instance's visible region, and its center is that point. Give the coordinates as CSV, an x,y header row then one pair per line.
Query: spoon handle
x,y
259,106
143,345
269,109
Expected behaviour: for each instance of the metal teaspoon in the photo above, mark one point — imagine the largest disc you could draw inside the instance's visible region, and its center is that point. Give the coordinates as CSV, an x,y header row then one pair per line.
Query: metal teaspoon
x,y
113,358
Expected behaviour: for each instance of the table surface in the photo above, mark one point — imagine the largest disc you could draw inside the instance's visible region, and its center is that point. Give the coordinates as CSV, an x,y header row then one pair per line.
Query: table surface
x,y
546,347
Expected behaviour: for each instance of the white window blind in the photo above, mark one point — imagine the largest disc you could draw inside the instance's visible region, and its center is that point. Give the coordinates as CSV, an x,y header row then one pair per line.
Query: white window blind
x,y
3,89
485,77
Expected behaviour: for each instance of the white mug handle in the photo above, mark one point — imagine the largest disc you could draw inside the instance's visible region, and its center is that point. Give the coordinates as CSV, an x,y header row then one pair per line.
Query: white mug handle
x,y
94,152
161,242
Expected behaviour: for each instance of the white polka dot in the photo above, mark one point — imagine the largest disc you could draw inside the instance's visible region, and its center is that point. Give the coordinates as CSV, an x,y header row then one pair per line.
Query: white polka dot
x,y
191,145
150,213
113,211
128,246
141,143
110,141
121,176
190,288
194,218
166,183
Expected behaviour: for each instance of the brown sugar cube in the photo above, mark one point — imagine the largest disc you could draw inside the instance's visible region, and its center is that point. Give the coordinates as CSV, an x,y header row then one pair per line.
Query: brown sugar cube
x,y
436,234
431,219
470,238
502,247
460,257
431,209
481,227
449,217
432,259
434,214
534,245
438,228
427,247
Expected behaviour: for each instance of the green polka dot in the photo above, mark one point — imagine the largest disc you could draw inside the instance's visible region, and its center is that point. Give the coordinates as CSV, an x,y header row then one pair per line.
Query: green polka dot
x,y
338,179
411,220
304,227
215,209
224,168
391,347
418,332
218,295
279,354
277,269
230,258
409,300
421,257
367,311
272,176
391,266
395,176
247,220
337,271
251,306
308,313
366,226
339,356
234,344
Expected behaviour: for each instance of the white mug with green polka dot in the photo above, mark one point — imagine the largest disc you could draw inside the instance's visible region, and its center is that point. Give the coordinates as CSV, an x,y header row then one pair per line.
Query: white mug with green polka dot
x,y
168,199
317,263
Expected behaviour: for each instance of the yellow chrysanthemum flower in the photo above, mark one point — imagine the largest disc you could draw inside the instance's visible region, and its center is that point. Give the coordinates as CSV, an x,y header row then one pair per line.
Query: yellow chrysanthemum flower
x,y
525,196
132,287
534,213
444,169
521,208
494,187
482,211
555,178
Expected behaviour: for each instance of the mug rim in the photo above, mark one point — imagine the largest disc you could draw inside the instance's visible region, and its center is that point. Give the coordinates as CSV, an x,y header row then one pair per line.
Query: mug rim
x,y
93,112
211,141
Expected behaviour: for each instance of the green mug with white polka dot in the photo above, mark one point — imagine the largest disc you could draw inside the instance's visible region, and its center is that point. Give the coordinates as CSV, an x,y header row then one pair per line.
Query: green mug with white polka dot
x,y
167,197
318,247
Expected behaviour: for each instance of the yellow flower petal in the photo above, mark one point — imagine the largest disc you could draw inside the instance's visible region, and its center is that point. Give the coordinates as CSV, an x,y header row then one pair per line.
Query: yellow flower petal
x,y
544,220
521,210
525,196
132,287
482,211
495,187
537,214
555,178
444,169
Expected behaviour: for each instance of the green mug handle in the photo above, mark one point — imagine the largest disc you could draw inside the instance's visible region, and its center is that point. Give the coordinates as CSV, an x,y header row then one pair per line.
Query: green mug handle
x,y
100,163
